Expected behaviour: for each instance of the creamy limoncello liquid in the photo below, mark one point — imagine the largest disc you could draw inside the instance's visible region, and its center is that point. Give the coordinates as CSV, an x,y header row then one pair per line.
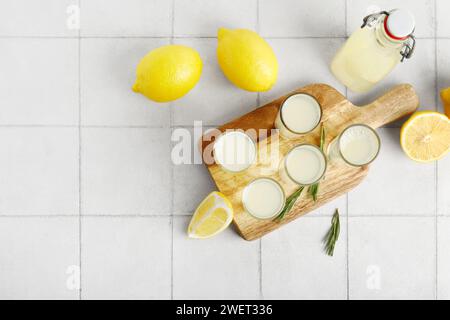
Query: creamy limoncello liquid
x,y
305,164
362,61
299,114
235,151
357,145
263,198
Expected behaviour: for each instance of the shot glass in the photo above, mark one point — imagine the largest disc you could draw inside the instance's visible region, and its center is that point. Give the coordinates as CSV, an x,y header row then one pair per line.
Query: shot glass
x,y
234,151
299,114
263,198
305,164
357,145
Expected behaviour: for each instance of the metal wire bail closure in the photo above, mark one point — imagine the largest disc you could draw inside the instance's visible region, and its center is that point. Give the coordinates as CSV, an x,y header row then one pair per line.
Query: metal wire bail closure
x,y
371,18
408,45
408,48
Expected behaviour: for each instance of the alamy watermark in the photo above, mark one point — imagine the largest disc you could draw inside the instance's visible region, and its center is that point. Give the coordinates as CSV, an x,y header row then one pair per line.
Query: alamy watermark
x,y
196,146
373,280
73,17
73,277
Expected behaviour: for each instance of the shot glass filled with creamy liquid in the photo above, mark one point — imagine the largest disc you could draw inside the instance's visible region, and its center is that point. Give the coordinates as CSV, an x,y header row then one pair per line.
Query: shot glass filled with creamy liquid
x,y
263,198
357,145
299,114
234,151
304,165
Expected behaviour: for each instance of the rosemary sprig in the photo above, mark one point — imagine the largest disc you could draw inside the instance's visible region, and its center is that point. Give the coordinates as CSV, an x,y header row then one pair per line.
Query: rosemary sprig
x,y
332,234
313,189
322,137
290,201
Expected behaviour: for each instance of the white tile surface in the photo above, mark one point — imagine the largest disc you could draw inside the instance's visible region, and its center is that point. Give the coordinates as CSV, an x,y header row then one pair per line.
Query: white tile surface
x,y
133,18
328,209
204,17
418,71
125,171
108,72
423,12
39,81
291,18
443,260
301,62
36,256
443,52
37,18
295,266
214,100
126,258
224,267
39,170
442,23
443,166
191,181
392,258
443,185
395,184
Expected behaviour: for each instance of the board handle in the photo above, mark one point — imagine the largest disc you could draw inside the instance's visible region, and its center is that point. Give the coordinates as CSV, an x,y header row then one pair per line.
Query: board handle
x,y
398,102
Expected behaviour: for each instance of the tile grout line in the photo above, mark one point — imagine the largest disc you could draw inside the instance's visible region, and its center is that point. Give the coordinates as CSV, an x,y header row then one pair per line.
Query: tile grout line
x,y
76,126
79,164
112,216
347,248
184,215
261,293
48,126
172,169
181,37
436,232
347,217
346,195
436,82
258,101
345,19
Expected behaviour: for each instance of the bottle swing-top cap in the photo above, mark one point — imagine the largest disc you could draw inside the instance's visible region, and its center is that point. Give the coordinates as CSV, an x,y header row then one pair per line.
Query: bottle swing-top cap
x,y
399,24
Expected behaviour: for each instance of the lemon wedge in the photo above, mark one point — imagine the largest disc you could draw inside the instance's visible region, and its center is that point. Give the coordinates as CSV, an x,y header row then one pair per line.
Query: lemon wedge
x,y
425,136
213,215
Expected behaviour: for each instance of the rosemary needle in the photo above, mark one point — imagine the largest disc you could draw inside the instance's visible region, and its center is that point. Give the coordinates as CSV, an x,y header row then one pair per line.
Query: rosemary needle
x,y
322,137
290,201
313,189
333,234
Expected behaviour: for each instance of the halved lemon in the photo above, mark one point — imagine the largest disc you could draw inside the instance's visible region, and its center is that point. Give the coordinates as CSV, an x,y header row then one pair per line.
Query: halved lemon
x,y
425,136
213,215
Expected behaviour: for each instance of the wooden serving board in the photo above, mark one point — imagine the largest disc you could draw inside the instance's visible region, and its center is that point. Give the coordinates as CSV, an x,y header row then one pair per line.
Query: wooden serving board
x,y
340,178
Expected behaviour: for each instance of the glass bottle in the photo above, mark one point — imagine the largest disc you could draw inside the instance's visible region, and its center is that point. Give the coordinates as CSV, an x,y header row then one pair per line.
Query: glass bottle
x,y
371,52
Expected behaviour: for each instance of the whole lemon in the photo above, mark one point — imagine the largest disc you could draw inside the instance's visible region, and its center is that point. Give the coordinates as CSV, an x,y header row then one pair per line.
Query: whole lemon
x,y
168,73
246,59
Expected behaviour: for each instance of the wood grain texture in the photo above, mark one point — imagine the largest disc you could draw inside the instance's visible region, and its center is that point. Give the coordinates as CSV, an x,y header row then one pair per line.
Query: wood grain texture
x,y
338,113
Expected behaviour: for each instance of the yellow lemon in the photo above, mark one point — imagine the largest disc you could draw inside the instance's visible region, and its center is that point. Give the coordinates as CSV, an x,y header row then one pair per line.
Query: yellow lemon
x,y
425,136
212,216
168,73
246,59
445,97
